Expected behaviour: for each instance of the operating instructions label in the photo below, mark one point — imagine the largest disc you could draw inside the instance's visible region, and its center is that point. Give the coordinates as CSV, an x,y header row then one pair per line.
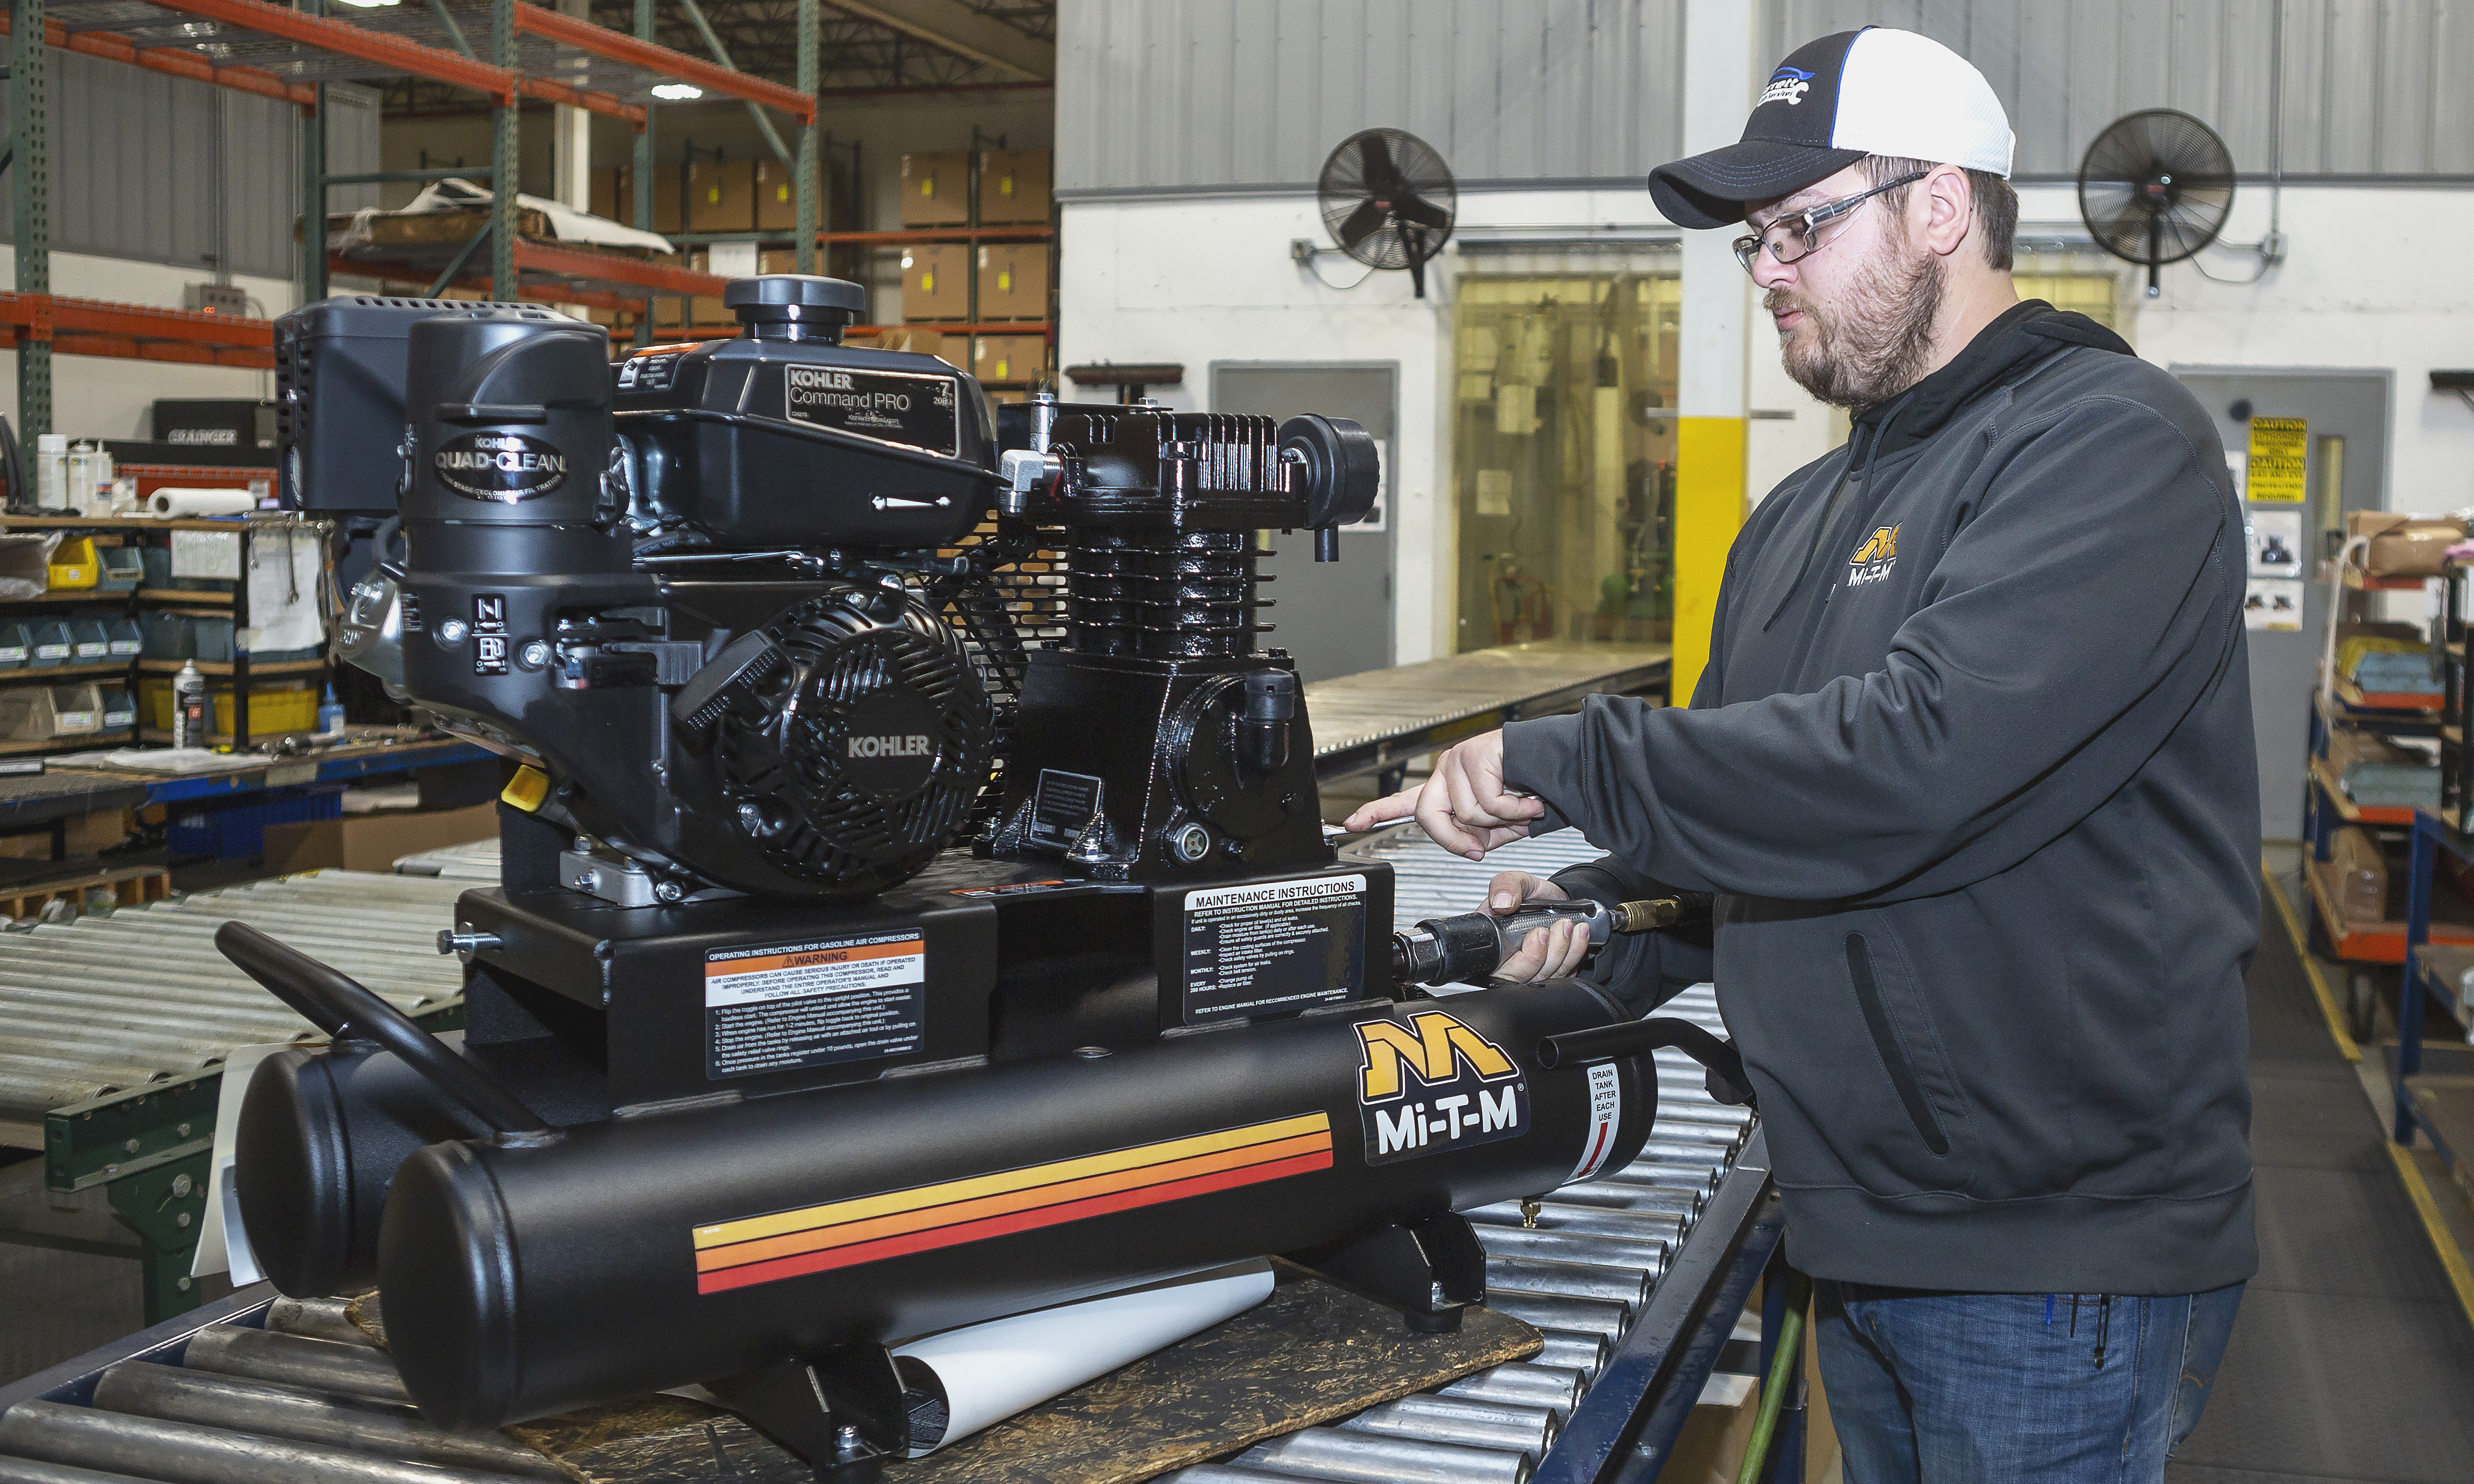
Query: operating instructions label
x,y
894,406
1273,946
783,1006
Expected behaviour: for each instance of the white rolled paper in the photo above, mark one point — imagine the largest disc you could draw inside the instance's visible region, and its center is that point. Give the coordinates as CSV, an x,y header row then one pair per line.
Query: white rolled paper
x,y
989,1371
169,501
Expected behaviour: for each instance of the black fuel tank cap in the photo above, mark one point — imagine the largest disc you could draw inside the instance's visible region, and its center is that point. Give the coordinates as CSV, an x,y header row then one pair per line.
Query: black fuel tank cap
x,y
793,291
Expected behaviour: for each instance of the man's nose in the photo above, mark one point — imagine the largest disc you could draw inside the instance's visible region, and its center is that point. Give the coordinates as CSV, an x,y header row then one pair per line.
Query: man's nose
x,y
1771,274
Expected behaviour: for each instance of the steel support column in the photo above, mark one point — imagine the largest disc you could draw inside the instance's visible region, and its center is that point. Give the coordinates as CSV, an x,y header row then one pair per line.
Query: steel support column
x,y
508,156
30,182
313,184
641,174
804,187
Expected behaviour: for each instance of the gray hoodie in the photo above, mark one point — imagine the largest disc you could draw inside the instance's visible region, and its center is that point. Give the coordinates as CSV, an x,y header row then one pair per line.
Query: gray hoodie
x,y
1970,773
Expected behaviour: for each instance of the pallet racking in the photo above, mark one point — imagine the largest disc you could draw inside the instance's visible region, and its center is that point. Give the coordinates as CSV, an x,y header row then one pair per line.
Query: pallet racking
x,y
291,55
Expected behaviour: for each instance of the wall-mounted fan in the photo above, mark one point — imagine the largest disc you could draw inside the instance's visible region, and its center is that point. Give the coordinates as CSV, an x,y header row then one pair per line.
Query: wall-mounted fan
x,y
2155,187
1388,200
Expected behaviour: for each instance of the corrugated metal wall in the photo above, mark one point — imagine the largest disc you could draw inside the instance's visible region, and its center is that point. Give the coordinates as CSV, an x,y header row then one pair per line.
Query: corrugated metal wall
x,y
1257,92
1203,94
2371,87
154,167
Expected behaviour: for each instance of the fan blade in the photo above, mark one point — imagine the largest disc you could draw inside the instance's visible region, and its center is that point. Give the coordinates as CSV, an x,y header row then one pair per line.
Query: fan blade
x,y
1376,157
1362,224
1415,208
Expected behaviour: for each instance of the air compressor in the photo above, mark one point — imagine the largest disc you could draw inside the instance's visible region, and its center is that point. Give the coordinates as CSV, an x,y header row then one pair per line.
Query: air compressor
x,y
914,904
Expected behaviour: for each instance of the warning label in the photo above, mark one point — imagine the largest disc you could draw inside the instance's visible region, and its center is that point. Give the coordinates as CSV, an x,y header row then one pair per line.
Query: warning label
x,y
1274,946
785,1005
1606,1113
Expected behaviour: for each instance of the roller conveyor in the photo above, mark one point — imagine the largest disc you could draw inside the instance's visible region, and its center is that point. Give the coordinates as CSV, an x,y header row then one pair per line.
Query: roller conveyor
x,y
1634,1280
110,1004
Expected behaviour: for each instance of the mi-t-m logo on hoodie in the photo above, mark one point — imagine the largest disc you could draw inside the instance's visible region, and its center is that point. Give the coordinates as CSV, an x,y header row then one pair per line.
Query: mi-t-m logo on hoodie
x,y
1874,559
1788,85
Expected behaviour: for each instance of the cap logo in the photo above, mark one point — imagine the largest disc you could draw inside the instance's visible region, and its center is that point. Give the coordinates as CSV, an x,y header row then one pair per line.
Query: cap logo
x,y
1788,85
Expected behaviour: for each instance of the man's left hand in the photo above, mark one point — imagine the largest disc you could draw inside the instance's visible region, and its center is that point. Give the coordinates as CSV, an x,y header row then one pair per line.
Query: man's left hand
x,y
1463,804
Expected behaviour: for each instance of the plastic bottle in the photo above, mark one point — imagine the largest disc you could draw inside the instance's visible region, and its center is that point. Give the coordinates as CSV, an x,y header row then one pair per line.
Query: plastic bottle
x,y
331,714
189,722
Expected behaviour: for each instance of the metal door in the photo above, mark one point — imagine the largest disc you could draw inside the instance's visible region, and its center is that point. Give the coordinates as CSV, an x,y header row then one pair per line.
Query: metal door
x,y
2345,440
1334,618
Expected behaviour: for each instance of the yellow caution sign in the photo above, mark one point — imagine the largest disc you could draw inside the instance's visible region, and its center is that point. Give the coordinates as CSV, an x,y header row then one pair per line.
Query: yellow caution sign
x,y
2279,447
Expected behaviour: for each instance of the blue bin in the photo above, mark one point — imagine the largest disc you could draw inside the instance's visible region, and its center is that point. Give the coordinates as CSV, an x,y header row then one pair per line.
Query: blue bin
x,y
238,831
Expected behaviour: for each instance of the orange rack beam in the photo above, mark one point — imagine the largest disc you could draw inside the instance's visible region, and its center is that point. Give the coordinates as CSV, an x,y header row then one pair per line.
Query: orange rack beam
x,y
602,42
87,327
177,61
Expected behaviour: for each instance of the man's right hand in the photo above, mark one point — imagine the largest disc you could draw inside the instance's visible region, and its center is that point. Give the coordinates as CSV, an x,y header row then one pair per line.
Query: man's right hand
x,y
1552,950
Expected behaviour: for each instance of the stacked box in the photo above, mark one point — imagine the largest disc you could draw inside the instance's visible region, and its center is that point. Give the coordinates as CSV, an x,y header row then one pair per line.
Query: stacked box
x,y
1013,280
1010,358
777,203
935,282
1013,186
935,189
721,195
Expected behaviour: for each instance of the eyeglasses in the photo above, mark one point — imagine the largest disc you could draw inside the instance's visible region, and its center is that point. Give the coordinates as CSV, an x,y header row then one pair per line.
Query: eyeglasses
x,y
1797,235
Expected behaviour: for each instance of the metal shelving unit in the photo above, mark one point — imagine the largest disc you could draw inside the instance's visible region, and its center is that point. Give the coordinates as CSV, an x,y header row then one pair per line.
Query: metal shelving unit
x,y
290,55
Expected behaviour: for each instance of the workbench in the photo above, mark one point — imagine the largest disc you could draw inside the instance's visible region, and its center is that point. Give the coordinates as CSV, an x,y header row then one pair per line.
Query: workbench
x,y
1375,722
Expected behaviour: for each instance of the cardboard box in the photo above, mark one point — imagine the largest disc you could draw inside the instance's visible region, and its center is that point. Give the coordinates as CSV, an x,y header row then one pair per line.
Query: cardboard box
x,y
2403,546
932,282
935,189
707,309
721,195
1013,186
666,179
605,191
954,351
1010,359
777,260
777,201
373,841
1013,280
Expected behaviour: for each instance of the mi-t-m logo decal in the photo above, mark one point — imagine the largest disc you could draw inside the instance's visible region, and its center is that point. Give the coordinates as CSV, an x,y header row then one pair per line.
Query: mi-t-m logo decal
x,y
1435,1084
1872,560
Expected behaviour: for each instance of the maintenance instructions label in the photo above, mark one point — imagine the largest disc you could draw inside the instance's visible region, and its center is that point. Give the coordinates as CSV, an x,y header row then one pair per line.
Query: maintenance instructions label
x,y
1273,946
893,406
784,1006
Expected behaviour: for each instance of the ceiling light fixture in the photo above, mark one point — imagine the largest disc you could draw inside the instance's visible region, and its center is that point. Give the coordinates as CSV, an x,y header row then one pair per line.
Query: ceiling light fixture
x,y
675,93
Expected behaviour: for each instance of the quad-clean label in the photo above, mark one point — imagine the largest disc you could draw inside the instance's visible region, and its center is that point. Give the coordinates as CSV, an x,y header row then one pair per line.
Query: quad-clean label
x,y
501,467
892,407
785,1005
1435,1084
1606,1115
1273,946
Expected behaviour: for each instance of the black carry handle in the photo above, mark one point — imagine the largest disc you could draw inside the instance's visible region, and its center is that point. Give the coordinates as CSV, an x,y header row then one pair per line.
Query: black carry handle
x,y
346,1010
1727,1081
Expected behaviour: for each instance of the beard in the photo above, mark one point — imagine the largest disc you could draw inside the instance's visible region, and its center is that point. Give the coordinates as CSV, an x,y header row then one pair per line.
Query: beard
x,y
1876,341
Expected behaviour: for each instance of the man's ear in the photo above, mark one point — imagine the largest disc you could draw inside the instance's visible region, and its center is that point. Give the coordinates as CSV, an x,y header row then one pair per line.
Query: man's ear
x,y
1950,208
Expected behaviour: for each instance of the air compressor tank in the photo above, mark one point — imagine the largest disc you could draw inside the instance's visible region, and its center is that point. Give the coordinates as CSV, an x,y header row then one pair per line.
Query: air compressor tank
x,y
525,1276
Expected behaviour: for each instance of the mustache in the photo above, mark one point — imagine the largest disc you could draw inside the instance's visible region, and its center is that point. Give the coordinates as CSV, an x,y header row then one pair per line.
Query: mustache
x,y
1779,302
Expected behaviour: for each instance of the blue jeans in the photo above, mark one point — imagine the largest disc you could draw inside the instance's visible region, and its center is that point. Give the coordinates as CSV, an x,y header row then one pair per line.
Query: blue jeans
x,y
1952,1388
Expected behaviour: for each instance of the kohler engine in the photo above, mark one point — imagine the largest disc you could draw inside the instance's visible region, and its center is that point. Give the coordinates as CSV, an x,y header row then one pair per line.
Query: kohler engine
x,y
736,604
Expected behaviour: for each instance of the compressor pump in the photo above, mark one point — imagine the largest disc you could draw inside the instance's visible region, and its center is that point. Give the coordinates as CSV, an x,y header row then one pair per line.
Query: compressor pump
x,y
915,904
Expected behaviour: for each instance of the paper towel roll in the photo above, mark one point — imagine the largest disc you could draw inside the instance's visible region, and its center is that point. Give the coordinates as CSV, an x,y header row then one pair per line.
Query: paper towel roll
x,y
172,501
989,1371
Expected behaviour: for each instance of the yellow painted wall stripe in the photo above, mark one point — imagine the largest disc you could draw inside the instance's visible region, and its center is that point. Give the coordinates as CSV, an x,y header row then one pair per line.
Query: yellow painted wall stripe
x,y
2319,991
751,1228
2452,1257
1709,512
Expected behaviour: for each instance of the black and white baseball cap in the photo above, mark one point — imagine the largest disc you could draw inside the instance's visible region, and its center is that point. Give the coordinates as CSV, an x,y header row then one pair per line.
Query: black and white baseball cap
x,y
1832,102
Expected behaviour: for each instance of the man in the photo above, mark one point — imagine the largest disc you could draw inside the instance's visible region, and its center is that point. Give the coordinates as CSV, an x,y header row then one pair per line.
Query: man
x,y
1970,774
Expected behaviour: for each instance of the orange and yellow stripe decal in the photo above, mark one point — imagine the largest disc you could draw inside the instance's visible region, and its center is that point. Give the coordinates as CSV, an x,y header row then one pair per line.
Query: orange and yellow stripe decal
x,y
870,1228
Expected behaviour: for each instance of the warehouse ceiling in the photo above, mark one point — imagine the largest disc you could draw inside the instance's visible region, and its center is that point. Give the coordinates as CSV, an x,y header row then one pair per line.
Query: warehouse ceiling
x,y
868,46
